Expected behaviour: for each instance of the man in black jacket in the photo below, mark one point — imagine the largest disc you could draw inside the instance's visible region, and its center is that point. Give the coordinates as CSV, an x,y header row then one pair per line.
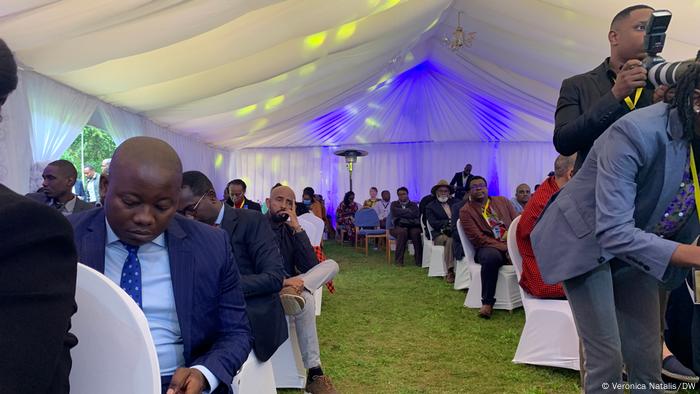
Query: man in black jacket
x,y
303,276
255,252
38,266
590,102
405,217
460,181
59,177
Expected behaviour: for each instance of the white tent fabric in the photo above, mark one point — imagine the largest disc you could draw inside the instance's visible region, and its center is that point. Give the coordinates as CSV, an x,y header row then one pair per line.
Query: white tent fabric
x,y
258,74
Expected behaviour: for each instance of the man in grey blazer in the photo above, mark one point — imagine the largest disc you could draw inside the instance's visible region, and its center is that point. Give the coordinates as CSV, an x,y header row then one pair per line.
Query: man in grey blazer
x,y
608,238
59,177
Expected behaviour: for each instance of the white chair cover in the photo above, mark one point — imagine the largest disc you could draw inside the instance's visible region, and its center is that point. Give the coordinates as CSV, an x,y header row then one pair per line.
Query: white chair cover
x,y
255,377
463,277
427,248
314,230
287,365
437,258
549,337
115,352
507,293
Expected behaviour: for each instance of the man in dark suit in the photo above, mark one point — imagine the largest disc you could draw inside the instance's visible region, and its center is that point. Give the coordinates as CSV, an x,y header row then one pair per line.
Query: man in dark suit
x,y
180,272
256,253
37,296
460,182
59,178
79,189
236,196
590,102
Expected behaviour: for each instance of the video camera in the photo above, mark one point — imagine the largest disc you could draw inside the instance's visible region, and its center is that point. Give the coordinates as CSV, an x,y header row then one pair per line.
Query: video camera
x,y
659,71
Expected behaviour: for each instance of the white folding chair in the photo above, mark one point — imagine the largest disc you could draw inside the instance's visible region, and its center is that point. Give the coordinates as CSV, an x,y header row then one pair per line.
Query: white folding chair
x,y
463,278
287,364
437,257
427,247
507,293
115,352
314,230
255,377
549,337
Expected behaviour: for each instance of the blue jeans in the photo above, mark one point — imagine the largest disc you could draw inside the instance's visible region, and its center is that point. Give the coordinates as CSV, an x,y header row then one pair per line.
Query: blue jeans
x,y
616,311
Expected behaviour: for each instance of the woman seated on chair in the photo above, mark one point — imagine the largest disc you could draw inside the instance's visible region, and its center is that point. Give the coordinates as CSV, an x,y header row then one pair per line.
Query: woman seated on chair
x,y
345,215
485,221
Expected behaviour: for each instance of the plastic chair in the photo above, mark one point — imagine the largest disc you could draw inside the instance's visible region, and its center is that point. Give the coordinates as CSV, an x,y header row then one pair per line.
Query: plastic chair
x,y
436,266
367,226
314,227
427,247
507,293
287,365
549,337
115,353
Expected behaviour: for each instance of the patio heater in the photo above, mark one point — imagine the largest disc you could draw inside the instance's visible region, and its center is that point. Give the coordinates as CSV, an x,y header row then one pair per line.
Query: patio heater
x,y
350,156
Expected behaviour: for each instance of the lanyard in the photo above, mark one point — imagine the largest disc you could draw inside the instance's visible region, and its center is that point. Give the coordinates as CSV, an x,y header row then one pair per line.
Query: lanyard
x,y
632,104
696,187
486,209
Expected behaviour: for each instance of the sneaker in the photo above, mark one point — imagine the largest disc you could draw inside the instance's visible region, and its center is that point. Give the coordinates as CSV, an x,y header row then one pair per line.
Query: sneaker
x,y
292,301
673,368
320,385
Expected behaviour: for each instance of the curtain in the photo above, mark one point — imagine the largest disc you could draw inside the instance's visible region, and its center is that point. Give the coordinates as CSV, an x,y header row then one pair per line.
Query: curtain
x,y
15,148
418,166
58,114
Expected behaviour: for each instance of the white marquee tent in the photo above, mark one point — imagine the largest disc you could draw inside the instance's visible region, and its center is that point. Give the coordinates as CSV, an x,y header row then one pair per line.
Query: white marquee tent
x,y
266,90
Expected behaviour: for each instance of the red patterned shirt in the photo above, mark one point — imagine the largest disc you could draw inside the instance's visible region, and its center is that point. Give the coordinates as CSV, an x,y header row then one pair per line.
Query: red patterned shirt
x,y
531,278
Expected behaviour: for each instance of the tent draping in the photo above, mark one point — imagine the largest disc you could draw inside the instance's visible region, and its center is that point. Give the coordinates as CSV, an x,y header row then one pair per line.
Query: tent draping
x,y
43,117
418,166
250,75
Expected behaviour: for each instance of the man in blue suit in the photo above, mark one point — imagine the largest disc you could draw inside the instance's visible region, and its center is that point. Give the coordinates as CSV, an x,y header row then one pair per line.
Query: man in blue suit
x,y
180,272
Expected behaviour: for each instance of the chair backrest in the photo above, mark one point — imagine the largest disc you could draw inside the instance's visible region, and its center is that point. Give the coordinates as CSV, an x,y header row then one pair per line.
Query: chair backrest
x,y
313,227
115,353
366,217
469,251
513,250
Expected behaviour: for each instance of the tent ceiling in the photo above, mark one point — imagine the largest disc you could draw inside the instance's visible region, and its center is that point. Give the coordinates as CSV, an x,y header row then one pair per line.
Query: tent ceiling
x,y
274,73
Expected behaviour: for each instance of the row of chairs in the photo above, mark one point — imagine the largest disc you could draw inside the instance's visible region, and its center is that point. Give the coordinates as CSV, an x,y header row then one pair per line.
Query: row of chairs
x,y
549,337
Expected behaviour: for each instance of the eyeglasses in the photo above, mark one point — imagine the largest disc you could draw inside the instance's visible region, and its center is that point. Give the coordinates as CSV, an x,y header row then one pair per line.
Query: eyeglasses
x,y
191,211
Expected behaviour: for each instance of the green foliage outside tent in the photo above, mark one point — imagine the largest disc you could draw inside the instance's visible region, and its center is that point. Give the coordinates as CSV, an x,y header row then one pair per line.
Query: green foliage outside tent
x,y
98,145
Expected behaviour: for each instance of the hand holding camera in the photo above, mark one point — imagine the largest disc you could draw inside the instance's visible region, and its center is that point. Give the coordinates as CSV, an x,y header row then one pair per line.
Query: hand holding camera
x,y
632,76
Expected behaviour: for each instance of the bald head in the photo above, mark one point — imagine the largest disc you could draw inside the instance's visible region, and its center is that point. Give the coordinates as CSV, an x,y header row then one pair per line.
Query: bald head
x,y
281,202
145,176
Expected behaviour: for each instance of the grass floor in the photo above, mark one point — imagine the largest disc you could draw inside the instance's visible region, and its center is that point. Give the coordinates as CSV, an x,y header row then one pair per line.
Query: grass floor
x,y
395,330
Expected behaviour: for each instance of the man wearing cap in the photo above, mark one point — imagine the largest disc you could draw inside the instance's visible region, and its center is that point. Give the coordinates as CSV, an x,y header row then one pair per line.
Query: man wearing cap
x,y
439,215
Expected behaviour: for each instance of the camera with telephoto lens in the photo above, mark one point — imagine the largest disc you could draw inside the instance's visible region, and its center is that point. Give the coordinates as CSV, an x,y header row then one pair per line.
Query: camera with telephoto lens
x,y
660,72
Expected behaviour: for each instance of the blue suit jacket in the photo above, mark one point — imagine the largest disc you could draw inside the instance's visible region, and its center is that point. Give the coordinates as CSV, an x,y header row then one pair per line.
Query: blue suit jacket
x,y
610,208
206,284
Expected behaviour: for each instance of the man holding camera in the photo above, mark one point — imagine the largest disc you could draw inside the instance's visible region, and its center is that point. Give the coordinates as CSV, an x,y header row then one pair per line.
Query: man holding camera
x,y
590,102
439,215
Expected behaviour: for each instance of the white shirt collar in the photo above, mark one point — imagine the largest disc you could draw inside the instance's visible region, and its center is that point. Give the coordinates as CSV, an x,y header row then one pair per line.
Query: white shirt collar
x,y
220,218
112,237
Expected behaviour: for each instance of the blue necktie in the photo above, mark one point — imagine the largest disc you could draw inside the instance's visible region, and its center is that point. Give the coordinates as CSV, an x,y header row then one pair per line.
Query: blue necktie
x,y
131,274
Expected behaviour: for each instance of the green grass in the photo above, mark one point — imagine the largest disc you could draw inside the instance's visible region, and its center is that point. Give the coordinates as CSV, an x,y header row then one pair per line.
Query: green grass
x,y
394,330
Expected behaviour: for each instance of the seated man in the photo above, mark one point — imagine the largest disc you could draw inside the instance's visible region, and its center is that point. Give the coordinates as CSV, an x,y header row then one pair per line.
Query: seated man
x,y
236,194
485,221
522,196
382,208
531,278
299,256
404,214
439,215
422,204
256,253
59,178
180,272
372,200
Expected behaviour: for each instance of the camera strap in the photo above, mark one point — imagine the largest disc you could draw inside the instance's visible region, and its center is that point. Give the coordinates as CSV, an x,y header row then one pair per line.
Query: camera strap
x,y
633,104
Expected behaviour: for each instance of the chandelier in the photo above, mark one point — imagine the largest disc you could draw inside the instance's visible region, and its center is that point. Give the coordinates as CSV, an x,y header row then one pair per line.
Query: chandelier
x,y
458,39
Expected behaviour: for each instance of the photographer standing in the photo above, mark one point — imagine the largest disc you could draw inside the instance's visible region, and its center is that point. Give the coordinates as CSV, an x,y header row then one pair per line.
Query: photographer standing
x,y
590,102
